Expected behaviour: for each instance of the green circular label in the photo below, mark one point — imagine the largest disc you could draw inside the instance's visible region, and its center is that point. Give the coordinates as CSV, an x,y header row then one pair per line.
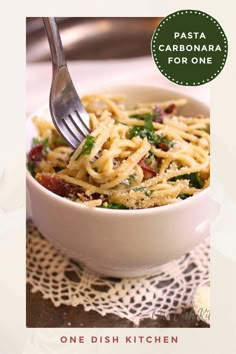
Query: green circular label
x,y
189,47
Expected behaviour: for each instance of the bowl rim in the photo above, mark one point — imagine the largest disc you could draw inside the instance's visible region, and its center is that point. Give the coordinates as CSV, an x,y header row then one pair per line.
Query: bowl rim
x,y
124,212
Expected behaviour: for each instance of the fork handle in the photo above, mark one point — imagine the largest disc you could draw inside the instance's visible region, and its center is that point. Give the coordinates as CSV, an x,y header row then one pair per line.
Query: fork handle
x,y
54,39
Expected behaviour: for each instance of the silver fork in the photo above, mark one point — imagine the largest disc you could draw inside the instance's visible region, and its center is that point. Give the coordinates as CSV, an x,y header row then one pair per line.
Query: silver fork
x,y
68,113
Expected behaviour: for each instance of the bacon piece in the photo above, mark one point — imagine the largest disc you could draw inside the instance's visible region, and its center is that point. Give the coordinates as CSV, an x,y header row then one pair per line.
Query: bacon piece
x,y
36,154
171,109
58,185
163,146
148,171
159,114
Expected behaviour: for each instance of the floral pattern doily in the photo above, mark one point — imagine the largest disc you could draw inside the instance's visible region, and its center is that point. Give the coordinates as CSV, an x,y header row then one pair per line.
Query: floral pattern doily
x,y
62,281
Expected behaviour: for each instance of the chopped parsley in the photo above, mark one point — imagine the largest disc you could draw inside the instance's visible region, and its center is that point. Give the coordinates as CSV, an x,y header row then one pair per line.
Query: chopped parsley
x,y
147,131
87,147
31,167
146,191
194,179
139,189
44,142
142,132
131,179
113,206
72,152
183,196
145,116
118,122
58,169
160,139
151,159
59,141
148,122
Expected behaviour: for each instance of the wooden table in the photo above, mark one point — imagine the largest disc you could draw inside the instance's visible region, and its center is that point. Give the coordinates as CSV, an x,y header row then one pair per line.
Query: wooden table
x,y
42,313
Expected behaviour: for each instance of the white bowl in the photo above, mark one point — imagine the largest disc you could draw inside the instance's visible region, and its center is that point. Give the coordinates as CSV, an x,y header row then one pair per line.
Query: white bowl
x,y
122,243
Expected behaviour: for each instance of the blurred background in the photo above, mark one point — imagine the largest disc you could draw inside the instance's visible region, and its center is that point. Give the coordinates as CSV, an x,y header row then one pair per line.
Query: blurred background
x,y
93,38
100,52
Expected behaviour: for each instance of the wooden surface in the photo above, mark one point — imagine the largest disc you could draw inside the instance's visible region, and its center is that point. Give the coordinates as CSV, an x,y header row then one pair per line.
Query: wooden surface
x,y
42,313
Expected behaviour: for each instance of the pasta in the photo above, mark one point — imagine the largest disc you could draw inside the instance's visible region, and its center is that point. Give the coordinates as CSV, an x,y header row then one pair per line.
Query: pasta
x,y
145,157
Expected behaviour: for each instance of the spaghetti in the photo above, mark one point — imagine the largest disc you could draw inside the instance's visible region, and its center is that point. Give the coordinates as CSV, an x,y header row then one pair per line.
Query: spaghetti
x,y
145,157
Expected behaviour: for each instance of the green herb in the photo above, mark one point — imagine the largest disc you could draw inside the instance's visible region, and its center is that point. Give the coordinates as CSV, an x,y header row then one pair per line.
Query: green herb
x,y
44,142
149,192
58,169
95,169
146,191
194,179
151,159
71,154
147,131
59,141
142,132
151,154
118,122
139,189
36,141
113,206
31,167
148,122
161,139
149,116
131,179
183,196
153,138
87,147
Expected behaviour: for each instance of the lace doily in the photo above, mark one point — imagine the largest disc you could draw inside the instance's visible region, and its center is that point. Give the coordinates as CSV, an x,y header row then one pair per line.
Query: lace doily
x,y
64,282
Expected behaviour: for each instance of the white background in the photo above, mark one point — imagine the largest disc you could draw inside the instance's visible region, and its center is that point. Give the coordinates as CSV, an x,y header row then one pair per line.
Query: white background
x,y
15,338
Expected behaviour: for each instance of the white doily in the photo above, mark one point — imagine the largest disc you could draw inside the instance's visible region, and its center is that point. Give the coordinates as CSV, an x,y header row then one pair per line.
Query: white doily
x,y
63,282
